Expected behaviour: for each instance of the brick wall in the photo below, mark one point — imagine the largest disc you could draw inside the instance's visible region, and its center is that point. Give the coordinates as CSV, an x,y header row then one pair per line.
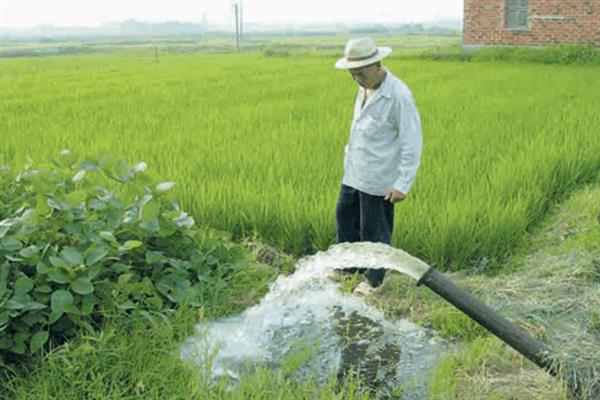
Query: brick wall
x,y
549,22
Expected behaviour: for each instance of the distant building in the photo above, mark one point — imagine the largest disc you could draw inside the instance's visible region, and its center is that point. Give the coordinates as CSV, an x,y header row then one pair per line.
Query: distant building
x,y
531,22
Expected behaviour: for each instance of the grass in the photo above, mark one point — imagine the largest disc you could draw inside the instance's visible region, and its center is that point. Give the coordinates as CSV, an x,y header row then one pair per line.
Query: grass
x,y
134,357
485,369
258,149
129,358
553,295
225,43
558,54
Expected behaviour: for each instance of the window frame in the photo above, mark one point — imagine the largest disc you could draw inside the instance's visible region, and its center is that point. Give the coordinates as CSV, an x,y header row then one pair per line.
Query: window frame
x,y
517,15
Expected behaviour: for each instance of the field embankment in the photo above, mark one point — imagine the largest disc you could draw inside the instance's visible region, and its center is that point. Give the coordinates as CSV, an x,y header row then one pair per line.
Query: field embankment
x,y
552,291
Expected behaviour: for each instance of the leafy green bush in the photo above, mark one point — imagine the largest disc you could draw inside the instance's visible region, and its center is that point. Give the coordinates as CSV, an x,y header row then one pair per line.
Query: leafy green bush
x,y
73,251
561,54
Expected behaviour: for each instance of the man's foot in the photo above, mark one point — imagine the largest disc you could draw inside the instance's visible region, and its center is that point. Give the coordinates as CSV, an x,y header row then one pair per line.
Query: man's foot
x,y
363,289
375,276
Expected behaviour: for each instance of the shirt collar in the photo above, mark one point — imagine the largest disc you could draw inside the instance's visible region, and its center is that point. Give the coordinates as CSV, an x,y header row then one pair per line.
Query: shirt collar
x,y
384,89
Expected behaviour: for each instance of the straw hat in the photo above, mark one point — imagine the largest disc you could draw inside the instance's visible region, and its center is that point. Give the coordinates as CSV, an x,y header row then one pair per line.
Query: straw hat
x,y
360,52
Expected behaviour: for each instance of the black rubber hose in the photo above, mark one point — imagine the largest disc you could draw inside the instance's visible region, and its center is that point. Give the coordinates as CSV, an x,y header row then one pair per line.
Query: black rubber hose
x,y
514,336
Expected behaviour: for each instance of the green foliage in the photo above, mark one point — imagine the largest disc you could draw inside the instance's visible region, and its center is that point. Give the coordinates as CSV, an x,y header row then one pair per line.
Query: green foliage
x,y
485,369
501,145
277,51
136,358
480,354
558,54
453,323
72,251
455,53
348,281
400,297
130,357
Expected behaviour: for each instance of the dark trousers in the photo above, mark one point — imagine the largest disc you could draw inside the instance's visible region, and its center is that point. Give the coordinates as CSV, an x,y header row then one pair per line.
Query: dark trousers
x,y
361,217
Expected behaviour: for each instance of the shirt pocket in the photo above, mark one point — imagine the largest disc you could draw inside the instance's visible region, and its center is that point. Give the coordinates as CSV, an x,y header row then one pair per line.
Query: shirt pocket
x,y
369,125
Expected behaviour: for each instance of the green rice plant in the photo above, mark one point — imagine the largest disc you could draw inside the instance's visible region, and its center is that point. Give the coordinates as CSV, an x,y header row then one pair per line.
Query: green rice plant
x,y
255,144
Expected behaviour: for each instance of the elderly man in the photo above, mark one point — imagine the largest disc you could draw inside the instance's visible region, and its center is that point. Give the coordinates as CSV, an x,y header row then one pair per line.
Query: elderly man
x,y
382,154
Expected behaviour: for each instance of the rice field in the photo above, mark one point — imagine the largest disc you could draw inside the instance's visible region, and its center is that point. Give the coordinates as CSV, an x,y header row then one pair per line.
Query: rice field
x,y
255,144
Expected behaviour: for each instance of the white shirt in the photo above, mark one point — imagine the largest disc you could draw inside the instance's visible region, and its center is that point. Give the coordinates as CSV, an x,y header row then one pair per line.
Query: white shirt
x,y
385,143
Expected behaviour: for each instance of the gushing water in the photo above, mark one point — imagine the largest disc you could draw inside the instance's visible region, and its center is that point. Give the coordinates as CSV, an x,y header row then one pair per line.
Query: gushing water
x,y
306,310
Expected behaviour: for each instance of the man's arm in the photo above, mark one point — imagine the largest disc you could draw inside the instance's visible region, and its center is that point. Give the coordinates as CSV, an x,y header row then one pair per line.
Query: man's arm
x,y
411,143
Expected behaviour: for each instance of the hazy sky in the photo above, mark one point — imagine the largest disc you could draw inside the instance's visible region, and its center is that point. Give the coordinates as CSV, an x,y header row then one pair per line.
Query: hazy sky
x,y
26,13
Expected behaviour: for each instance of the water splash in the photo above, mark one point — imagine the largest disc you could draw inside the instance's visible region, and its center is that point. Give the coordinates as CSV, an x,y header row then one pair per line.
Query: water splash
x,y
369,255
345,333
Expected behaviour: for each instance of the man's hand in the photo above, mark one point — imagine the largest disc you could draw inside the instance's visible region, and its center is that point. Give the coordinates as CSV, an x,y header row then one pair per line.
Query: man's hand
x,y
394,196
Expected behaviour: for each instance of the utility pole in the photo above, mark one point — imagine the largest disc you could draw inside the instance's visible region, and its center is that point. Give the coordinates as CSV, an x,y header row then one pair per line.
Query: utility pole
x,y
237,10
241,22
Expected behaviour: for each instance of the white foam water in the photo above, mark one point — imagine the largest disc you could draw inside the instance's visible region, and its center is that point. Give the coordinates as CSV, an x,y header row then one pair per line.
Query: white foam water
x,y
307,307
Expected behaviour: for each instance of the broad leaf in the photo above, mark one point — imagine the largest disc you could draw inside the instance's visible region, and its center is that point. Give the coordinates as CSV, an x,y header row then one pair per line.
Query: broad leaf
x,y
56,204
43,289
127,305
22,286
35,317
82,285
95,255
151,210
61,300
41,268
131,244
14,304
18,346
38,340
33,305
72,256
57,261
41,207
74,199
58,275
54,316
108,236
29,252
11,244
87,304
123,279
4,270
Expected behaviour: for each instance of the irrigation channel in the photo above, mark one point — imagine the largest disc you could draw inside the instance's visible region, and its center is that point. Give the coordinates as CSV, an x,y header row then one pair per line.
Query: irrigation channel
x,y
305,316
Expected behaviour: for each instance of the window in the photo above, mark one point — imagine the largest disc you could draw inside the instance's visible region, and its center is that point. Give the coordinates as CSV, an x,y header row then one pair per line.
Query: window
x,y
516,14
